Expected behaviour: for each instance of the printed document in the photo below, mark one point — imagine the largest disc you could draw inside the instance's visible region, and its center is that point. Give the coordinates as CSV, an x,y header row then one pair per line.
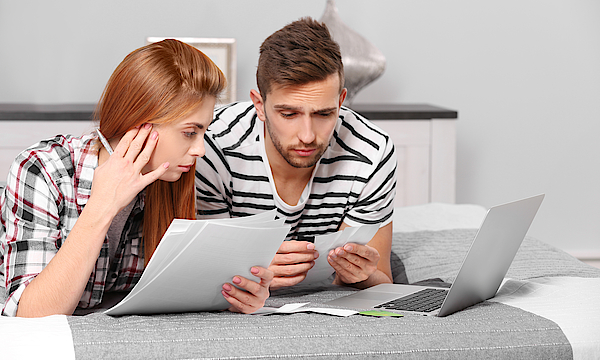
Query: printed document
x,y
325,243
196,257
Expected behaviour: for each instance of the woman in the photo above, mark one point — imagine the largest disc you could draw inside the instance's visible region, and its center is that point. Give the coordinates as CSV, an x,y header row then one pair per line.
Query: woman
x,y
81,223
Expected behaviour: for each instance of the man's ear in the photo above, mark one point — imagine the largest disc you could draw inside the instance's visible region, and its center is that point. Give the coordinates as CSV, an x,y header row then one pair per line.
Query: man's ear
x,y
258,104
343,96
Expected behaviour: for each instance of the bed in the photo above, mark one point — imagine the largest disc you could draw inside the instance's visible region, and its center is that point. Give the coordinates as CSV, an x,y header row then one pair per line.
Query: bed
x,y
548,308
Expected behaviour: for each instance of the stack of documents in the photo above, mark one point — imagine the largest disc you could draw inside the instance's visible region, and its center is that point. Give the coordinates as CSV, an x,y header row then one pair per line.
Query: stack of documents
x,y
196,257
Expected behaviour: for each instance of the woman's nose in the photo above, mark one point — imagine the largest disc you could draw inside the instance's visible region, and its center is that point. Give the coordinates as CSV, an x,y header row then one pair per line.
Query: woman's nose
x,y
197,149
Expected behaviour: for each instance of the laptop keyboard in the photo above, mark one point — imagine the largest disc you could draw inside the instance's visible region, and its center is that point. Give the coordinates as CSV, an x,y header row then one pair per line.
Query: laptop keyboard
x,y
425,300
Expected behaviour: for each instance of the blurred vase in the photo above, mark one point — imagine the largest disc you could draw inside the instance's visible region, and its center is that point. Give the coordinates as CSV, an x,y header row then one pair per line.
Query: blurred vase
x,y
363,62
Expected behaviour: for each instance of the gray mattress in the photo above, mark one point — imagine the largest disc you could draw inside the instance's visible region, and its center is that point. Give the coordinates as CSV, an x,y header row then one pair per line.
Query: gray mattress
x,y
486,330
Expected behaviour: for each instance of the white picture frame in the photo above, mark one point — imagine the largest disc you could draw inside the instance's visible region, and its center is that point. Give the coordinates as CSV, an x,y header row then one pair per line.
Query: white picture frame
x,y
222,51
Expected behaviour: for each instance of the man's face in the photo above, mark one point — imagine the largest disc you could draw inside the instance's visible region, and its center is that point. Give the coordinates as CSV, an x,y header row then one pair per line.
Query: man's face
x,y
300,120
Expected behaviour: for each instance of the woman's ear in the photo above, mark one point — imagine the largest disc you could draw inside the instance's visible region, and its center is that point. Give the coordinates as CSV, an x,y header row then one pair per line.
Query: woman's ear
x,y
258,104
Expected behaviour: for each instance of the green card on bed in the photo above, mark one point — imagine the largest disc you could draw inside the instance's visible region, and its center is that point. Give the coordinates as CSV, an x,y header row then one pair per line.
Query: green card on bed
x,y
380,313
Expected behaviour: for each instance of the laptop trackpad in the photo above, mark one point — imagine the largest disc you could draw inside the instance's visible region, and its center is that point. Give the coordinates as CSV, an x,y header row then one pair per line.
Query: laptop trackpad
x,y
370,297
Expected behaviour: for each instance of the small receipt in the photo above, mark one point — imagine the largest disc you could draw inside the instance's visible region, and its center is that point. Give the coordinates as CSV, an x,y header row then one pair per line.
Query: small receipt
x,y
299,307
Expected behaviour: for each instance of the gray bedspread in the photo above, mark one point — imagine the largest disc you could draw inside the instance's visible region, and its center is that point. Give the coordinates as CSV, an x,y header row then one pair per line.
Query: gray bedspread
x,y
486,330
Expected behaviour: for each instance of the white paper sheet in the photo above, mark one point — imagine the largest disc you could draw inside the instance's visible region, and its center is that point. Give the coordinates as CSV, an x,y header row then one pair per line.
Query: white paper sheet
x,y
299,307
182,230
571,302
324,243
196,265
36,338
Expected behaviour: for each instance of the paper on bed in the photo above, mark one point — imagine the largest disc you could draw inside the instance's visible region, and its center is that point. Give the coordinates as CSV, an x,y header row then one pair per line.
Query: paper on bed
x,y
324,243
192,279
299,307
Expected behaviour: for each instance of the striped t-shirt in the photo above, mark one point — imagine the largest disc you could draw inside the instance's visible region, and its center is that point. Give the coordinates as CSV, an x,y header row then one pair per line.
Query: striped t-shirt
x,y
354,181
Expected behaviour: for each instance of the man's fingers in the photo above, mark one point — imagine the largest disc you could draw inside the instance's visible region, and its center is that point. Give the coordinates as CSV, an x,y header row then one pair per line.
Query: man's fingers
x,y
353,259
344,268
294,258
354,263
365,251
291,270
294,246
279,282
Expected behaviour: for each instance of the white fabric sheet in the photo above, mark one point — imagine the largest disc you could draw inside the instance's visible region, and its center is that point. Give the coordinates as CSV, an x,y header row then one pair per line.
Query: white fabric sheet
x,y
36,338
572,303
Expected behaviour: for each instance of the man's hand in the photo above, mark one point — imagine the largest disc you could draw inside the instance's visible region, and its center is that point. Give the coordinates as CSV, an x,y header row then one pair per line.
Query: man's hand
x,y
353,263
292,262
256,292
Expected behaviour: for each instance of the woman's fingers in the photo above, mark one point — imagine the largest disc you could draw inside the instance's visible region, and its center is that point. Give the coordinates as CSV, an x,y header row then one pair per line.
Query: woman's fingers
x,y
137,147
137,143
123,145
154,175
247,296
120,178
144,156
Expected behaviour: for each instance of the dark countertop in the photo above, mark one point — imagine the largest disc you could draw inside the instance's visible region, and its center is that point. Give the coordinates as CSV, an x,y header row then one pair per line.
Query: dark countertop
x,y
46,112
74,112
403,111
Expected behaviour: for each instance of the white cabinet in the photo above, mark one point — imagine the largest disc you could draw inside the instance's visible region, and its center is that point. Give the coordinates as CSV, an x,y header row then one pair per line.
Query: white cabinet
x,y
424,137
425,140
15,136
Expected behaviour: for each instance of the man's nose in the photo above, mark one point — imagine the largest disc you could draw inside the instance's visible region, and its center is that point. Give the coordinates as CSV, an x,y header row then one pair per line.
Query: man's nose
x,y
306,133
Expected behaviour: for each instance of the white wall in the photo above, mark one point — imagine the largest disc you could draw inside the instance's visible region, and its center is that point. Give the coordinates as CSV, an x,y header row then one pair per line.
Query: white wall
x,y
523,74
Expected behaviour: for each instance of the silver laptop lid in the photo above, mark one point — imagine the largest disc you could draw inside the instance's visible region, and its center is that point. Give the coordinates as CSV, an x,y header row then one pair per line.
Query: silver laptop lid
x,y
491,253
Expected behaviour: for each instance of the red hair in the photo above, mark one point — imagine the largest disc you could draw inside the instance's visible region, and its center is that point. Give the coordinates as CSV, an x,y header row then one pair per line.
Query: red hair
x,y
159,83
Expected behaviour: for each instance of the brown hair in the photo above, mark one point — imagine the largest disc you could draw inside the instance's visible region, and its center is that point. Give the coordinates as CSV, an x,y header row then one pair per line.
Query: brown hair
x,y
159,83
301,52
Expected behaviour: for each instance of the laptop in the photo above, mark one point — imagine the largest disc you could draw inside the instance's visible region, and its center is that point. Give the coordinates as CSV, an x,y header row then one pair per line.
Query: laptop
x,y
483,269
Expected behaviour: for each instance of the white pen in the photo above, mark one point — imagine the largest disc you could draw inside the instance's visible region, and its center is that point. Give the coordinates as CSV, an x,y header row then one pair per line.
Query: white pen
x,y
104,142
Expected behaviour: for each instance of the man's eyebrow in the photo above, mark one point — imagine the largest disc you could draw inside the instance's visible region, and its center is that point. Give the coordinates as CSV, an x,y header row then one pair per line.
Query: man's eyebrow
x,y
286,107
327,109
297,108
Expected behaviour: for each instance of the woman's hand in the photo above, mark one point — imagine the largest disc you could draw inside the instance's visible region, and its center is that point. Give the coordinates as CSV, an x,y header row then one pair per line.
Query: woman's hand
x,y
119,179
255,294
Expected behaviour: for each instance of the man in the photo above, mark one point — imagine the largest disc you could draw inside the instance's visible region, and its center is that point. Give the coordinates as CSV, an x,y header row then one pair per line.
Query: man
x,y
295,149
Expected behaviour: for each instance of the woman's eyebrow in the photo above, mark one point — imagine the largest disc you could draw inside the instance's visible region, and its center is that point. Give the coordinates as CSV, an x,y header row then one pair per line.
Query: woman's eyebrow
x,y
198,125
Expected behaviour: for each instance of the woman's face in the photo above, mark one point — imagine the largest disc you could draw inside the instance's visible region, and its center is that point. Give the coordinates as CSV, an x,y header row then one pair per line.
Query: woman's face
x,y
181,142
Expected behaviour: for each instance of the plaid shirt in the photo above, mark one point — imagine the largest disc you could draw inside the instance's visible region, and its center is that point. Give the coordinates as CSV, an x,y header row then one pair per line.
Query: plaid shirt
x,y
48,185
